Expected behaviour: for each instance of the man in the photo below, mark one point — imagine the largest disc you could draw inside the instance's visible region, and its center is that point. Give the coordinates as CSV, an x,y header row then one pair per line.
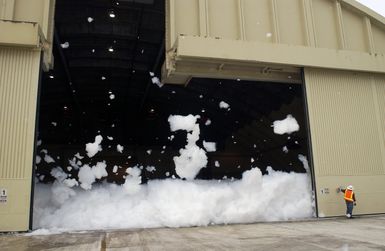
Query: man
x,y
350,200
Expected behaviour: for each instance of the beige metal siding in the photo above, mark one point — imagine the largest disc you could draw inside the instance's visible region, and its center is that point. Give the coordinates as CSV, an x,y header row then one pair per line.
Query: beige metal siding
x,y
380,99
336,34
290,19
379,39
220,12
325,19
19,73
28,23
192,15
257,23
6,9
291,22
354,31
346,114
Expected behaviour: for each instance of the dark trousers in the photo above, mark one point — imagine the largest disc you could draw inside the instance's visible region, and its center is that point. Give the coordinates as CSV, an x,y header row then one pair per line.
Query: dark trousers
x,y
349,207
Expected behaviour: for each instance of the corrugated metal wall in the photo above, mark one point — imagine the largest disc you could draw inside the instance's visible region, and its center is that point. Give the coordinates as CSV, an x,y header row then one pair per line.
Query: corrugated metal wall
x,y
317,23
267,34
19,76
347,123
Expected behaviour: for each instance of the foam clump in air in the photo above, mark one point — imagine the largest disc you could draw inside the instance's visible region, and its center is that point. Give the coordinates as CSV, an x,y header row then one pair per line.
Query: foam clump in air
x,y
224,105
288,125
151,169
192,158
65,45
88,175
48,159
37,159
155,80
94,148
77,155
119,148
179,122
210,146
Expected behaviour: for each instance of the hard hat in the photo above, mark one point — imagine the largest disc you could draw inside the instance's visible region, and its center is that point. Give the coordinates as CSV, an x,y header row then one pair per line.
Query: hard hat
x,y
350,187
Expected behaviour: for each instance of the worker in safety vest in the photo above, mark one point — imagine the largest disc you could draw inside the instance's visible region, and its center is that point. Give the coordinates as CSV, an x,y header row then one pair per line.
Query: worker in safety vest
x,y
350,200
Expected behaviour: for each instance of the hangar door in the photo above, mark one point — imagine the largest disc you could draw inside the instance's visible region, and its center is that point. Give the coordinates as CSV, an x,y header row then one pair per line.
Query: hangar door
x,y
347,124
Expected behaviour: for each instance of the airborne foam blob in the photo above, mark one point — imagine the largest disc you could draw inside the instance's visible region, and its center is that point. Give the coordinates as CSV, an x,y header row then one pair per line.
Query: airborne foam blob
x,y
119,148
224,105
288,125
186,123
88,175
65,45
94,148
192,158
210,146
48,159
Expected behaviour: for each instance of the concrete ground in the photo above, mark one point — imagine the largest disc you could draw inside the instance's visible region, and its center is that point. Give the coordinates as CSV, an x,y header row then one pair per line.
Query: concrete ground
x,y
362,233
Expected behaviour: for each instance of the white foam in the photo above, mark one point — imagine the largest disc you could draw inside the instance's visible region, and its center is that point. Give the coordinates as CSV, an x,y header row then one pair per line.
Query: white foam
x,y
119,148
210,146
48,159
94,148
224,105
288,125
192,158
174,202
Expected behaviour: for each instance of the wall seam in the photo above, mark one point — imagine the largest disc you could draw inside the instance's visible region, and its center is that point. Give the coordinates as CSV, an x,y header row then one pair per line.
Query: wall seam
x,y
378,118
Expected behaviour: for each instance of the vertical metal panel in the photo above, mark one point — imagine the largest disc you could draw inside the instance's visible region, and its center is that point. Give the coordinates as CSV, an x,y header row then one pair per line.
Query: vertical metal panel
x,y
379,39
6,9
369,35
340,26
379,92
354,27
291,22
241,20
187,14
258,20
274,14
346,115
309,22
170,24
19,73
32,11
223,19
326,24
203,18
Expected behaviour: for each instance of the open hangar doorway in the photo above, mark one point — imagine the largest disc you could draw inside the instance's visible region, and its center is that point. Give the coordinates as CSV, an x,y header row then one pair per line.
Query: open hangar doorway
x,y
108,56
